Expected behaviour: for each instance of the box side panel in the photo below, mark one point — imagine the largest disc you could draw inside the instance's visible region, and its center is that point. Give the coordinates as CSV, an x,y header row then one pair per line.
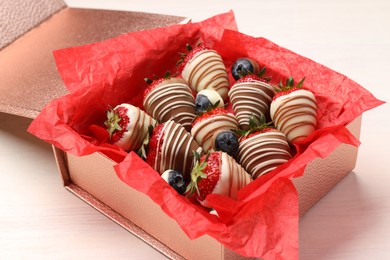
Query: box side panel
x,y
62,165
122,221
94,173
93,179
231,255
321,175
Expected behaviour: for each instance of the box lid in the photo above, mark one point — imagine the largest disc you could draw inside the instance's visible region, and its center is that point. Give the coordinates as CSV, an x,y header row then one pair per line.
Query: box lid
x,y
28,74
15,20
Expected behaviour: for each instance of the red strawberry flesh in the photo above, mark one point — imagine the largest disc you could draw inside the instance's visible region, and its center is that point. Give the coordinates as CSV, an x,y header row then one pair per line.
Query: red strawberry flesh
x,y
209,114
122,120
212,170
265,130
156,139
153,85
285,92
250,78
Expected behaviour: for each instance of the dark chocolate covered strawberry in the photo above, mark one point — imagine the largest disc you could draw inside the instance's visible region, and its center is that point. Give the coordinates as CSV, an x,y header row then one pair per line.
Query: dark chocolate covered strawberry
x,y
217,173
128,126
250,95
294,110
262,148
203,68
170,98
171,147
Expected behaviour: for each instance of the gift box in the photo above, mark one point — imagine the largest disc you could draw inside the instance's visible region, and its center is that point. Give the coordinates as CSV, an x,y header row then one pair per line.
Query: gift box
x,y
29,77
103,175
93,179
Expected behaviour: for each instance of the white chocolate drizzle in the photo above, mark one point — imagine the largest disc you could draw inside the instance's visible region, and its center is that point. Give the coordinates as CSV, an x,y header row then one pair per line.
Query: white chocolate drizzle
x,y
204,130
263,152
176,150
250,98
171,101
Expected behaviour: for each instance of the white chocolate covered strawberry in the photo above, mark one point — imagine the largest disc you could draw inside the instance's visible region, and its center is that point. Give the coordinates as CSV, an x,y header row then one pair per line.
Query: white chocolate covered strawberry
x,y
128,126
207,124
294,111
217,173
203,68
170,98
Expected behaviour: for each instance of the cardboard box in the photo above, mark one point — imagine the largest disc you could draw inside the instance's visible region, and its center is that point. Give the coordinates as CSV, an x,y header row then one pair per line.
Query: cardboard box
x,y
29,80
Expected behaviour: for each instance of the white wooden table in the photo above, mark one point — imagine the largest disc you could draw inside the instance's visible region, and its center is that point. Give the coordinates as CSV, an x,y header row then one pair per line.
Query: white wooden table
x,y
39,219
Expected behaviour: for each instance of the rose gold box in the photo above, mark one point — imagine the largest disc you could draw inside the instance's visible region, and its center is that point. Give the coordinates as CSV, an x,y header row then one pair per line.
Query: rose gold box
x,y
29,77
29,80
93,179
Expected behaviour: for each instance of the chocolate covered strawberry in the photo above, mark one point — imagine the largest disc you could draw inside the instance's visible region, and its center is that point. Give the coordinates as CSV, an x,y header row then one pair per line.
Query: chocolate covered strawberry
x,y
171,147
170,98
128,126
294,110
262,148
250,95
203,68
216,173
207,124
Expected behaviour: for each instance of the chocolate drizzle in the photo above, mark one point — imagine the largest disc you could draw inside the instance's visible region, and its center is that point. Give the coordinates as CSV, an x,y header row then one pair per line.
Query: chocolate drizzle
x,y
205,129
237,175
250,98
233,178
207,71
264,152
171,100
137,128
176,150
295,114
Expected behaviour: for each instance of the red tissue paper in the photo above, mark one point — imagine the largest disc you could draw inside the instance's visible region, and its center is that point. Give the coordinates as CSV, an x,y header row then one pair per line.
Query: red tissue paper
x,y
263,220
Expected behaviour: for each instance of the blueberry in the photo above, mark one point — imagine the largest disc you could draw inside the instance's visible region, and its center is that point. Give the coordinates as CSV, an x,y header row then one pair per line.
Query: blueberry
x,y
175,179
202,104
226,141
243,67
